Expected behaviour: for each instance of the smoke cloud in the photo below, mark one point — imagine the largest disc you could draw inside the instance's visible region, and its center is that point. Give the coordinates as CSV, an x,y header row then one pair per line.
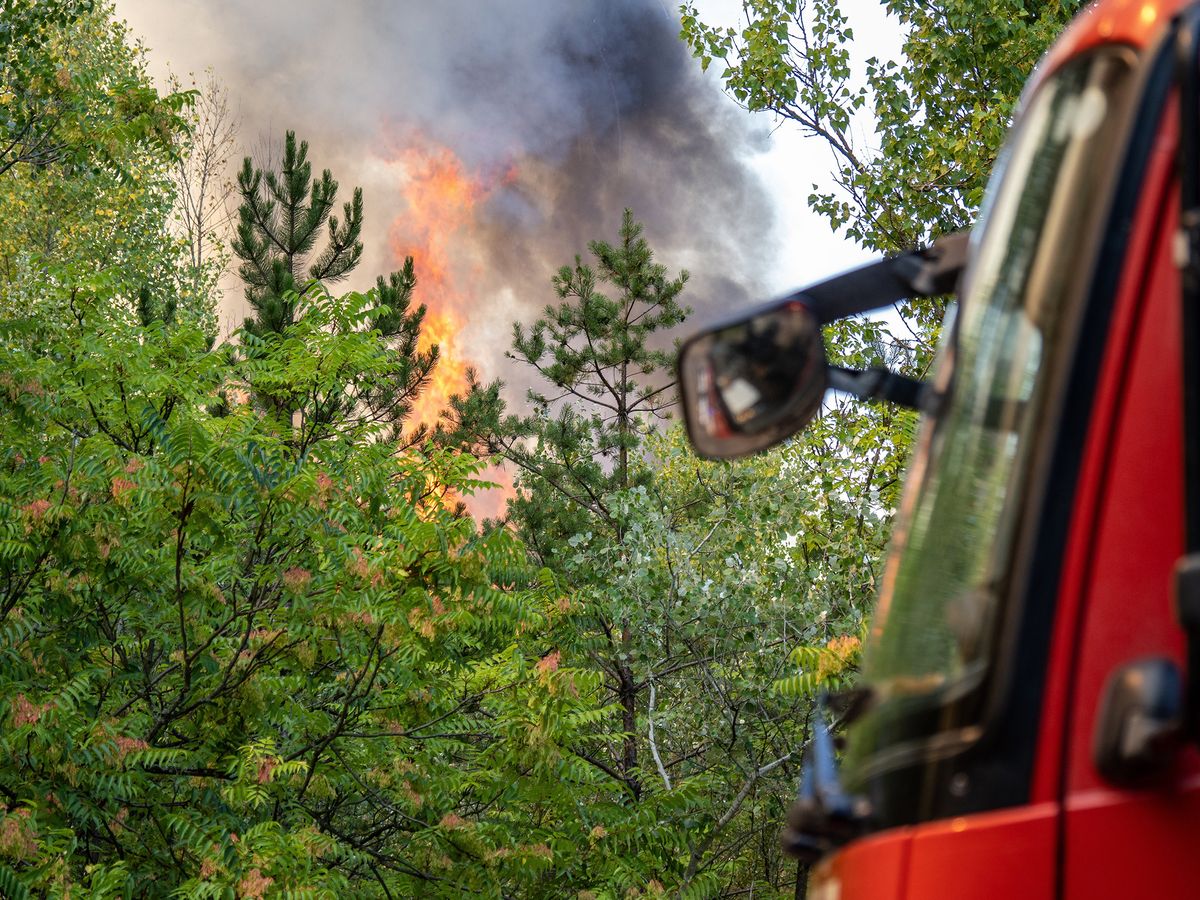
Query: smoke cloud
x,y
569,110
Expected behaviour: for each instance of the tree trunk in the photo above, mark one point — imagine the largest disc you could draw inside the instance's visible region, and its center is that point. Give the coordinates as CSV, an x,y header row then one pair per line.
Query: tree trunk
x,y
627,696
801,881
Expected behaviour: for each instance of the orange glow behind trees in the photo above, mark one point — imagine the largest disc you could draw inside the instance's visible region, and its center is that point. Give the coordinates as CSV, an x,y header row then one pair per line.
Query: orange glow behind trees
x,y
442,201
438,230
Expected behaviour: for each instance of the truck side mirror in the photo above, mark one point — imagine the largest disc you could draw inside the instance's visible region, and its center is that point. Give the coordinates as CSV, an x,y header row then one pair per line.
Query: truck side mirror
x,y
1139,729
751,382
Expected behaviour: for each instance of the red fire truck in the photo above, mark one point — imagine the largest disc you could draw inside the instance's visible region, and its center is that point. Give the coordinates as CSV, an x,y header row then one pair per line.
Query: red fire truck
x,y
1029,707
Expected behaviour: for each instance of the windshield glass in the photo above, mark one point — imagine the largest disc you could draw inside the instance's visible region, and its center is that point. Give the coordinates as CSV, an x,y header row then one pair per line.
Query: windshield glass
x,y
940,596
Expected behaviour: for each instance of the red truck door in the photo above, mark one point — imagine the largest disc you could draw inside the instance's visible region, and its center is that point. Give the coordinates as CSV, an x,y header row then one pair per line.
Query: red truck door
x,y
1116,602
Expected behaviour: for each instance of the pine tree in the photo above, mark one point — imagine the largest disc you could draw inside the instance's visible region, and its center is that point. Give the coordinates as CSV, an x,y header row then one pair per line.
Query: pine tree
x,y
671,593
279,222
399,324
578,454
609,383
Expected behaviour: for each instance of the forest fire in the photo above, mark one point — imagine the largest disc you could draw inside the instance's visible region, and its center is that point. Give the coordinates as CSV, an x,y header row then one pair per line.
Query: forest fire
x,y
437,231
442,198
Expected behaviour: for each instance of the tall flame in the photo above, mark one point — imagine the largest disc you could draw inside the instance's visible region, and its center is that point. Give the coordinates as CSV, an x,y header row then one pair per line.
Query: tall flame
x,y
436,230
442,198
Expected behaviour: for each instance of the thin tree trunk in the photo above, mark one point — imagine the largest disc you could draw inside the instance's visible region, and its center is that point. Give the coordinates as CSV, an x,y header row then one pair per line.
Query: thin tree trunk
x,y
628,699
801,880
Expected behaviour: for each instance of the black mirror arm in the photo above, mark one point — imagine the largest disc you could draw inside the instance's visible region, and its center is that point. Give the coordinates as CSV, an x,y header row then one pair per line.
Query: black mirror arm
x,y
879,384
918,273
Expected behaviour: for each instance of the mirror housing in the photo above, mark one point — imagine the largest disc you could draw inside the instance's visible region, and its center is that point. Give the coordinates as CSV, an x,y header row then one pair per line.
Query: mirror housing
x,y
734,377
751,382
1139,728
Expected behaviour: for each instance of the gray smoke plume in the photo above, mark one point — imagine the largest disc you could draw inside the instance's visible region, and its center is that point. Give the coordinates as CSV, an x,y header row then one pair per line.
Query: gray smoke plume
x,y
592,105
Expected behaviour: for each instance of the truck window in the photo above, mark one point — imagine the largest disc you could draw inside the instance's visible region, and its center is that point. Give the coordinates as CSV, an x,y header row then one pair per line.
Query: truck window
x,y
945,582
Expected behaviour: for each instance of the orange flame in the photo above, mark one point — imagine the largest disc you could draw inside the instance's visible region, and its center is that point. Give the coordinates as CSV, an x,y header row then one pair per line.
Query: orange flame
x,y
436,230
442,198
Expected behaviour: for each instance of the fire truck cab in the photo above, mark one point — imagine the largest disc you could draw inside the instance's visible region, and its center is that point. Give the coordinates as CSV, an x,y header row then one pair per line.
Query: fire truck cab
x,y
1031,684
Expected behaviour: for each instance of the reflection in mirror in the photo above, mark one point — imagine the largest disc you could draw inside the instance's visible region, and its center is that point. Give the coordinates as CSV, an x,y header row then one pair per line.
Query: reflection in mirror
x,y
751,383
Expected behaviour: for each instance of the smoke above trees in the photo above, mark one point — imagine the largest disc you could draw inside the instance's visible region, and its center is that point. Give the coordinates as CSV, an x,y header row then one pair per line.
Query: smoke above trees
x,y
567,112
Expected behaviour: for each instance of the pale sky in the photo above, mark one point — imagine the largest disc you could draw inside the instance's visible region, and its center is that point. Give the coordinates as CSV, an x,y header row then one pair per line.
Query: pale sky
x,y
810,251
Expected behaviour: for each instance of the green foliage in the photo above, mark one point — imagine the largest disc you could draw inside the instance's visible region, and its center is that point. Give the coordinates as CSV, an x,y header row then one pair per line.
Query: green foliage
x,y
32,94
822,668
56,109
577,451
940,112
687,583
607,386
97,196
279,221
248,655
399,324
238,657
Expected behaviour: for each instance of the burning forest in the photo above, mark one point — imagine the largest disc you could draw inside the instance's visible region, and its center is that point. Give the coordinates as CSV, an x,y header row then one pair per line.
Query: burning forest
x,y
530,131
242,653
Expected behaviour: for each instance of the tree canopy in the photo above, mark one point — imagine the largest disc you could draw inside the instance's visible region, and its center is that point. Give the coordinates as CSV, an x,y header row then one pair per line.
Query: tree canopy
x,y
280,222
250,644
939,113
86,189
